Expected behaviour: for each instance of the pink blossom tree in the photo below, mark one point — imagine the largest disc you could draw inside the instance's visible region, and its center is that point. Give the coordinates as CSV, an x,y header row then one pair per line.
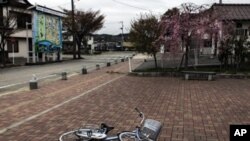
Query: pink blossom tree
x,y
180,25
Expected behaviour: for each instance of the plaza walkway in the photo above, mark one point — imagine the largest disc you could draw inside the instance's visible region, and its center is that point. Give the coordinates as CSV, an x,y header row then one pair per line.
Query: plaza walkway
x,y
189,110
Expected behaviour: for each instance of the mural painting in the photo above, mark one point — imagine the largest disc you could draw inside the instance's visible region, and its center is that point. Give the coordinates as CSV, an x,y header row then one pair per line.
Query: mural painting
x,y
48,34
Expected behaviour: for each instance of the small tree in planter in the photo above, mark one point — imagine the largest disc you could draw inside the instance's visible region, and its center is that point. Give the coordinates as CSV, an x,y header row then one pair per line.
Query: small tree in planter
x,y
143,34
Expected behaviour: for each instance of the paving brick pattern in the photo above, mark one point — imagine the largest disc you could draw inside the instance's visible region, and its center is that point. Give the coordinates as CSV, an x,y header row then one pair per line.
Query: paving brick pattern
x,y
190,110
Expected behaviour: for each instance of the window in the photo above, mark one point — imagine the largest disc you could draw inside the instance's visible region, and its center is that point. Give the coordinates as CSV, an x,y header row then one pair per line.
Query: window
x,y
241,32
249,30
12,45
21,22
207,43
22,18
1,16
239,25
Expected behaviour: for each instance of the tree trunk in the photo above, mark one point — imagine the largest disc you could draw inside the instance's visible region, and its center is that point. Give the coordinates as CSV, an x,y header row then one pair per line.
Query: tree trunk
x,y
187,51
215,44
156,66
3,53
182,58
79,49
74,47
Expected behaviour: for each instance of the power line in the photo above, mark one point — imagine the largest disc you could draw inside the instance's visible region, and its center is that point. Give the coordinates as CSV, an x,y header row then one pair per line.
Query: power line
x,y
122,3
111,23
64,4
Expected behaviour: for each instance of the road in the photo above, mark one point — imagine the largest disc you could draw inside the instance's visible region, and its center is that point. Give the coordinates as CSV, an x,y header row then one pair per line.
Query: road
x,y
10,77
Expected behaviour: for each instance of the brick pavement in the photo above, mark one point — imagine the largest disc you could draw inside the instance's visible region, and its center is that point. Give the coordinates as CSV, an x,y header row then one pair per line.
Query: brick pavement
x,y
190,110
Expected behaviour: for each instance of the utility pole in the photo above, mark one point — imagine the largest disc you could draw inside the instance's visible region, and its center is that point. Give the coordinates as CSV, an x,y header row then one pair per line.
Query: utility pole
x,y
122,35
73,28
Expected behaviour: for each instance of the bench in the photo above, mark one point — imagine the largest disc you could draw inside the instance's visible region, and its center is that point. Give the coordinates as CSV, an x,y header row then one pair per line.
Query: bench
x,y
199,75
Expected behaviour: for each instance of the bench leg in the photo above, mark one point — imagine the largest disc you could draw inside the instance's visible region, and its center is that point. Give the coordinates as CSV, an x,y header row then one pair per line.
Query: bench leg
x,y
186,76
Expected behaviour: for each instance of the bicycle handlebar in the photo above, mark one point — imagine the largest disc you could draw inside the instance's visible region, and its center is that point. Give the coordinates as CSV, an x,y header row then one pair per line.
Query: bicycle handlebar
x,y
137,110
141,114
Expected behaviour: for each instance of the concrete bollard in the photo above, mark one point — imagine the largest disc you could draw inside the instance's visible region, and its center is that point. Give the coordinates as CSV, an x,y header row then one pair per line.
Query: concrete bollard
x,y
186,77
108,64
97,66
33,83
210,77
64,75
116,62
84,70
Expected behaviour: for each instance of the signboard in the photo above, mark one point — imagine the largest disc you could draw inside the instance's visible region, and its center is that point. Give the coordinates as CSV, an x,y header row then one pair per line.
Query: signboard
x,y
47,32
50,11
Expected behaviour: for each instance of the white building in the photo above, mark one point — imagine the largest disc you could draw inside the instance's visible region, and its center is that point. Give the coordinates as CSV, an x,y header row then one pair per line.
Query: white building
x,y
68,43
37,31
238,13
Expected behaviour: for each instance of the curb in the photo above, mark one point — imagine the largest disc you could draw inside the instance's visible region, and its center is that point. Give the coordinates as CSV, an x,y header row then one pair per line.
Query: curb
x,y
179,74
156,74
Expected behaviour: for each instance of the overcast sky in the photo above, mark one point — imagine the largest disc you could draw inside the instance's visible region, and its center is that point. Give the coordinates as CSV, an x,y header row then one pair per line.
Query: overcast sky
x,y
116,11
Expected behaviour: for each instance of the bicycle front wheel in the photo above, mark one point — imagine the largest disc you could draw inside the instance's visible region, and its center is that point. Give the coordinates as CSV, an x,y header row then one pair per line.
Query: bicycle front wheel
x,y
71,136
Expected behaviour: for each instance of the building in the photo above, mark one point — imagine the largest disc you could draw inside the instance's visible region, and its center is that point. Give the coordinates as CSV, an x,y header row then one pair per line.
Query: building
x,y
120,42
68,44
238,13
16,45
37,31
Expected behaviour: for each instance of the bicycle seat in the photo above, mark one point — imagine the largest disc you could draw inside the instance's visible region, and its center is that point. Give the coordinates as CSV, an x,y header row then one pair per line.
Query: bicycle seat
x,y
108,128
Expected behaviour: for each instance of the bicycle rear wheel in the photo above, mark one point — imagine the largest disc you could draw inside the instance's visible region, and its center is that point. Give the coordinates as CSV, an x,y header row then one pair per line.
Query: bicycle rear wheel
x,y
71,136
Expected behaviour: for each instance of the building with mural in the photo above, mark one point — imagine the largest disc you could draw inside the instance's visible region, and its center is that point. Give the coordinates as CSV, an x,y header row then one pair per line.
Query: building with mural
x,y
47,34
37,32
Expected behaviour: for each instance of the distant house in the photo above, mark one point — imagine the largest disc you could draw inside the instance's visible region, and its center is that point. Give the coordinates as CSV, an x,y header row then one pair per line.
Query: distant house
x,y
68,43
239,13
104,42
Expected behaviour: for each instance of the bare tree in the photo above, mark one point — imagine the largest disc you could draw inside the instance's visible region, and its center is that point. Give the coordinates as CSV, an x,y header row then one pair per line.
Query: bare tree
x,y
7,27
86,22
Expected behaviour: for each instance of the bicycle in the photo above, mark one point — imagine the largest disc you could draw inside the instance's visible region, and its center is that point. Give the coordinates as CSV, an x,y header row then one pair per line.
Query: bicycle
x,y
148,130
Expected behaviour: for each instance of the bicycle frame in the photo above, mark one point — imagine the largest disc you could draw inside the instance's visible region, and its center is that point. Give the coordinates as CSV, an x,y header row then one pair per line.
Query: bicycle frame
x,y
148,130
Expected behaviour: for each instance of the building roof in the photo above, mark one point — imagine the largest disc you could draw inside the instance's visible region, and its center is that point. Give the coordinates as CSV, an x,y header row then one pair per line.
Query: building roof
x,y
233,11
48,10
18,3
